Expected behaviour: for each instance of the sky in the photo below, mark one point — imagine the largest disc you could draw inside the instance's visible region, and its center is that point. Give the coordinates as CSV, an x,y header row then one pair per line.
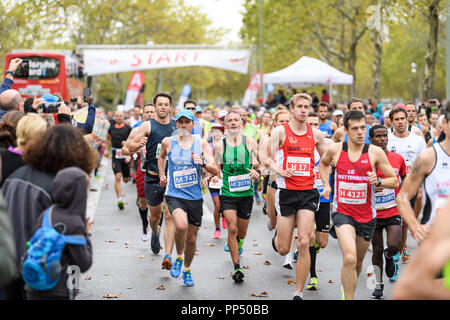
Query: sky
x,y
223,13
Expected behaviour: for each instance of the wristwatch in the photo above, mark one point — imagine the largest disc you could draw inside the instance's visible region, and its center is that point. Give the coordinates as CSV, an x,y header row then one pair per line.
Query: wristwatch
x,y
379,181
9,72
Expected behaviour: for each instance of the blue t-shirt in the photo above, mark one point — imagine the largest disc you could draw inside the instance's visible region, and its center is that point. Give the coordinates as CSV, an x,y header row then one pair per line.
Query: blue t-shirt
x,y
367,135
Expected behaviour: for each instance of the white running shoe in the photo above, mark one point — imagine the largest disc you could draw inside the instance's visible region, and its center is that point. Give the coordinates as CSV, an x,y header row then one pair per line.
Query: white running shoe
x,y
288,262
145,236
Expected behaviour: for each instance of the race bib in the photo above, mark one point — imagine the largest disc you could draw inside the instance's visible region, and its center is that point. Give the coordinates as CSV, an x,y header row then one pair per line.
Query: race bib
x,y
239,183
318,182
158,150
185,178
300,166
385,199
408,164
440,204
119,154
215,184
352,193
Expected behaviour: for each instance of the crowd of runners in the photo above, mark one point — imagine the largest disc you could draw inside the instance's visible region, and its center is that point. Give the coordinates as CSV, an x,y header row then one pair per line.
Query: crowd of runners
x,y
364,175
366,178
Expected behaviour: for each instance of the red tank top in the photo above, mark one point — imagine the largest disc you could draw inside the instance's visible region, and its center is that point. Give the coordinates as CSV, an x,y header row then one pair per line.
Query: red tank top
x,y
298,156
354,193
385,200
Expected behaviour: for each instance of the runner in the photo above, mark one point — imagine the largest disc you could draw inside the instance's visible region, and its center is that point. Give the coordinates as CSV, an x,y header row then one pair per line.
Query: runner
x,y
325,125
432,169
409,146
185,153
216,134
191,105
149,110
319,238
297,199
388,217
340,134
117,135
237,155
354,215
150,134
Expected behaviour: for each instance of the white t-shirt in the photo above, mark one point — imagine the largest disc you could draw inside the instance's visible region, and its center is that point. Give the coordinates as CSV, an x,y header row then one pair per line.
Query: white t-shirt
x,y
408,147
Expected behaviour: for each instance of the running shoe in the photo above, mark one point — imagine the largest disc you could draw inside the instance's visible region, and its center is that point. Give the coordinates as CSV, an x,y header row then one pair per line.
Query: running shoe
x,y
313,284
145,235
297,297
217,234
187,278
155,243
295,255
264,209
226,248
167,262
405,255
269,226
288,261
224,223
273,241
390,265
316,245
137,201
395,276
396,257
176,268
378,292
240,245
238,275
120,204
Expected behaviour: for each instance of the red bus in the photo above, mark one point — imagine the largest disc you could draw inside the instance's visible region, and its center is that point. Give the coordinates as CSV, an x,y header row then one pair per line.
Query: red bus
x,y
49,72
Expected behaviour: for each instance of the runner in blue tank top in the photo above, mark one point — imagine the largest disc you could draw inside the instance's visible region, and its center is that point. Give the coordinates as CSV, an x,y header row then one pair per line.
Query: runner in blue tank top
x,y
325,125
354,104
185,153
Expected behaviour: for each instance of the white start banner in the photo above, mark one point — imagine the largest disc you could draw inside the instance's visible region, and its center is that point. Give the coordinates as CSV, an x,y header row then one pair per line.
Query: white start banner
x,y
111,61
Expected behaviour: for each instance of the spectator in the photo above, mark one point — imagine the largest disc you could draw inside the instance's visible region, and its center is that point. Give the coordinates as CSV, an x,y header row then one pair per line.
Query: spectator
x,y
10,100
9,77
7,251
8,129
282,98
325,96
69,193
59,147
28,127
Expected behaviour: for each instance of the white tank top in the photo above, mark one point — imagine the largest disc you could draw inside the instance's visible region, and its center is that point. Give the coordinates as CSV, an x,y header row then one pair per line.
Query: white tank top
x,y
436,186
408,147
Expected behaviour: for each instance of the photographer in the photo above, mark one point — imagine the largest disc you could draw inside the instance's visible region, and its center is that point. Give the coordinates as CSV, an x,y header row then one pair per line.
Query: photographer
x,y
61,112
9,74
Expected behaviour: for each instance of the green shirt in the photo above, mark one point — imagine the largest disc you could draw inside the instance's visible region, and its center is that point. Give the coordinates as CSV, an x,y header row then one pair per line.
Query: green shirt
x,y
250,131
235,176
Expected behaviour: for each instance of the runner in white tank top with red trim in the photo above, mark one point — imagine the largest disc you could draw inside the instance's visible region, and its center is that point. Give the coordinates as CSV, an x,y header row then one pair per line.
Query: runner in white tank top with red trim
x,y
355,180
296,199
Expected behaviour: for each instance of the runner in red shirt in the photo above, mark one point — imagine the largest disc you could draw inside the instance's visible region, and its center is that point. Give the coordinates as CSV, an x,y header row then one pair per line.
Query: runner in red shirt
x,y
388,216
354,216
297,199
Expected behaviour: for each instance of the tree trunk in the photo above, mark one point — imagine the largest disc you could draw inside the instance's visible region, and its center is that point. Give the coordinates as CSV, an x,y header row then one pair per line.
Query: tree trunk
x,y
377,56
118,93
430,57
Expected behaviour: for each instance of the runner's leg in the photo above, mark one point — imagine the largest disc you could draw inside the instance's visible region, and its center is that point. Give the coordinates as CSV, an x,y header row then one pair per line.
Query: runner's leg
x,y
346,235
305,227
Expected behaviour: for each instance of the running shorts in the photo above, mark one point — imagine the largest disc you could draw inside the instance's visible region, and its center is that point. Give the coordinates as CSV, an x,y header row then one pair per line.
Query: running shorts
x,y
214,192
383,223
140,184
193,208
120,166
288,202
365,230
243,205
154,193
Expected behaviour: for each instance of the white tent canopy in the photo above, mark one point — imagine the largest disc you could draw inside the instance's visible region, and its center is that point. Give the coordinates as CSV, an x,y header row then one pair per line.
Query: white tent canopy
x,y
308,72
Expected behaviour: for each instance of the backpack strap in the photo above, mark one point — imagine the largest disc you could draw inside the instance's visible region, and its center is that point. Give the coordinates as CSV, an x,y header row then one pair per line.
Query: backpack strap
x,y
46,223
78,240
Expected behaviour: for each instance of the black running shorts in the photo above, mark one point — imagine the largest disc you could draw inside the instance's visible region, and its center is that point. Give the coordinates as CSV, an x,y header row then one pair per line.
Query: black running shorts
x,y
243,205
154,193
193,208
365,230
288,202
383,223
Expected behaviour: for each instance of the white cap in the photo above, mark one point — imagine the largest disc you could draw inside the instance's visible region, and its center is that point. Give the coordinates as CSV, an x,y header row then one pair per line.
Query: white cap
x,y
386,114
338,113
222,114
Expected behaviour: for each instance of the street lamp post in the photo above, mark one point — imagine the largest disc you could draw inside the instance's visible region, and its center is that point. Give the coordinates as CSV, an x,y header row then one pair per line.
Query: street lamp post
x,y
261,81
447,49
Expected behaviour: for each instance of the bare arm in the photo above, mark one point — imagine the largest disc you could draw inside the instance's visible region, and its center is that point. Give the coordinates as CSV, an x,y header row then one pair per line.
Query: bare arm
x,y
418,279
276,140
339,135
324,165
421,167
319,137
253,149
165,147
125,147
210,165
140,139
390,180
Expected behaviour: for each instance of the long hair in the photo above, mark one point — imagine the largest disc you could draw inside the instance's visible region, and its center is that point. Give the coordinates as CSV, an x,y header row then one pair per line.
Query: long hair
x,y
8,126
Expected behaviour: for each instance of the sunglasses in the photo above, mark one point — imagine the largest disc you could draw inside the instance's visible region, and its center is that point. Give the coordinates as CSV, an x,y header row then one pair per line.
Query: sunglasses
x,y
191,108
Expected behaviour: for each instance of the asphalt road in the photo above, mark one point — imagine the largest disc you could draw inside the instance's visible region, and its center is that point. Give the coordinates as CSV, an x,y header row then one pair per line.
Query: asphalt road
x,y
124,267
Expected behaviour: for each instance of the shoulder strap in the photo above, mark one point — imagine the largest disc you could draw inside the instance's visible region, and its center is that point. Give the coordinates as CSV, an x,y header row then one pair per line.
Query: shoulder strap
x,y
366,148
46,222
345,146
78,240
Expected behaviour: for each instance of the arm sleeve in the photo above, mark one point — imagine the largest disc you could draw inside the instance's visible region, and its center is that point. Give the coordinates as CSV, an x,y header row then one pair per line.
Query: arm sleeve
x,y
6,85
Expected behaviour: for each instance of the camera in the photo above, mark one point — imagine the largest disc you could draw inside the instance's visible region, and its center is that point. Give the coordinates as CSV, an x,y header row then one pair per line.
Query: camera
x,y
73,100
86,94
23,71
51,107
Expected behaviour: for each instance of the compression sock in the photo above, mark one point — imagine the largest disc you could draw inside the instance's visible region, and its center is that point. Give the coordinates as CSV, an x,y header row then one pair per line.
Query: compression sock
x,y
312,254
143,214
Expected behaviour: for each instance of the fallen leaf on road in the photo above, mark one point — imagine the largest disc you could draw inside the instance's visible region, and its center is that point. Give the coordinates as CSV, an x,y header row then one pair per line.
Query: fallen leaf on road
x,y
160,287
111,296
331,281
290,281
264,293
128,243
116,229
141,257
257,253
210,244
369,274
221,278
267,262
110,241
255,295
246,267
255,244
88,278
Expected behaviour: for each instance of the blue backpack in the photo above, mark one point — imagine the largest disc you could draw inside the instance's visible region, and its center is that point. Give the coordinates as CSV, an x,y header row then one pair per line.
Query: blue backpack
x,y
42,265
